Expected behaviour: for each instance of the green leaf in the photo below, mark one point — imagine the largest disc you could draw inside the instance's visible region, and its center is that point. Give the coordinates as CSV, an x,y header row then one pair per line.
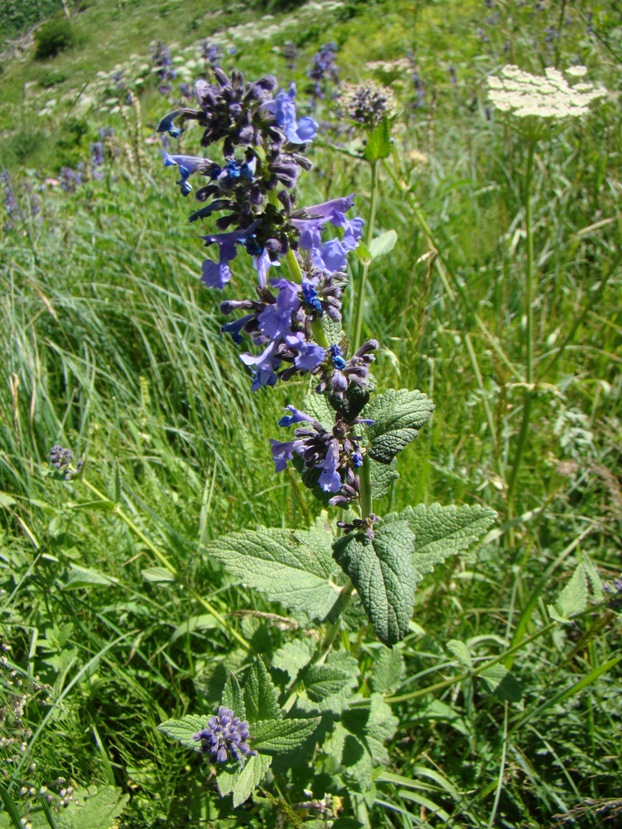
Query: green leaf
x,y
443,531
317,406
85,577
276,737
363,253
382,572
203,622
184,729
382,476
333,330
398,416
379,142
502,683
387,671
260,695
293,656
233,697
461,653
243,782
329,686
383,244
158,575
92,809
572,599
6,500
290,567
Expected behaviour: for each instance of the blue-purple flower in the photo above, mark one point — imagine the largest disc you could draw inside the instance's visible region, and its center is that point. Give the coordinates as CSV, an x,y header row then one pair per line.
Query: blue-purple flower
x,y
332,255
336,454
284,110
225,737
188,165
217,274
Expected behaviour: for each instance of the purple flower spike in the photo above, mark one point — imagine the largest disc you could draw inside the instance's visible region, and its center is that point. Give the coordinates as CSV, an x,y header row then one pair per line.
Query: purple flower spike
x,y
225,738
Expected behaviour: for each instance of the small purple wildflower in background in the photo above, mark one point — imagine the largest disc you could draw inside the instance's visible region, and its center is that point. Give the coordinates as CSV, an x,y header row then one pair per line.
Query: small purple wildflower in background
x,y
10,202
161,57
185,90
71,179
96,150
211,54
62,459
322,72
290,52
225,737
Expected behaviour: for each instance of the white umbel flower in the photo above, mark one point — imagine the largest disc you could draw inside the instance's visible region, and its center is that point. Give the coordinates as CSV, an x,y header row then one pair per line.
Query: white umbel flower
x,y
542,96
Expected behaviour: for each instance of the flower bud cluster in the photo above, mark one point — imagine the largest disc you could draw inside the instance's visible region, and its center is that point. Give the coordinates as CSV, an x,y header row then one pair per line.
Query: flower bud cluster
x,y
263,142
225,737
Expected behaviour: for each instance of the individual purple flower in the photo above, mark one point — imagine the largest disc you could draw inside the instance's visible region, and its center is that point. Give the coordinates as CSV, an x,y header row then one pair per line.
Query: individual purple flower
x,y
284,110
166,124
217,274
225,737
328,256
188,166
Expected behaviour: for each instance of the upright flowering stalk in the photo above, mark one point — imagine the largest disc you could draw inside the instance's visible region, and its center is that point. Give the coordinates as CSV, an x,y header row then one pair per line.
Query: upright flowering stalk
x,y
344,441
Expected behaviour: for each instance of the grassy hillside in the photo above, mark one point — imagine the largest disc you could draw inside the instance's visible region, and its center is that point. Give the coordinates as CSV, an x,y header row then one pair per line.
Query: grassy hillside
x,y
500,300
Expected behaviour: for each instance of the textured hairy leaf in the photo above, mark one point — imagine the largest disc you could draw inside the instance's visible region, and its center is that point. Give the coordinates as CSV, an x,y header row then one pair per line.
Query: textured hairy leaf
x,y
184,729
397,416
378,142
293,656
243,782
329,686
382,572
443,531
292,567
92,809
260,695
461,653
276,737
388,670
382,476
572,599
233,697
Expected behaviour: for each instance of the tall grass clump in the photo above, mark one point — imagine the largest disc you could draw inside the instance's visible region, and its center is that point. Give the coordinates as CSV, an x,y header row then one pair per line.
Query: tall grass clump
x,y
190,636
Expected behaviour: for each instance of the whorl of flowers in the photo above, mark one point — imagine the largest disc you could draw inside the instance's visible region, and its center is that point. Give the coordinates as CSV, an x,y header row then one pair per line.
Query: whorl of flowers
x,y
542,96
225,737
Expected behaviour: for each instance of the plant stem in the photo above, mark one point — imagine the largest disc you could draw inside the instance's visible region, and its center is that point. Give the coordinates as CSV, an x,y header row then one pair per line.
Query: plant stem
x,y
360,298
529,293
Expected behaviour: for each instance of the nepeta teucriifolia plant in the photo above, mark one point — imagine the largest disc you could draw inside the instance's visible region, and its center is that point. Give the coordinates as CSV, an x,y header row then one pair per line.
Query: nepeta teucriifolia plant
x,y
344,445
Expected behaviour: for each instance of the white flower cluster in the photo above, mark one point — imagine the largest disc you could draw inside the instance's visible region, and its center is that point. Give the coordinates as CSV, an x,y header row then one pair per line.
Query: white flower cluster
x,y
548,96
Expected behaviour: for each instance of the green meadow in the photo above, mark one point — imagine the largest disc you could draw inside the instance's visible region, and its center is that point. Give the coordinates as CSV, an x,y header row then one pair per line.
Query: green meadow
x,y
500,300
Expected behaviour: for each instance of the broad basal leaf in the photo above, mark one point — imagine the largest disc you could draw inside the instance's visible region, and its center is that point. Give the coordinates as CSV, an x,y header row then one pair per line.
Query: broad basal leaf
x,y
92,809
397,416
276,737
287,566
260,695
443,531
382,572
